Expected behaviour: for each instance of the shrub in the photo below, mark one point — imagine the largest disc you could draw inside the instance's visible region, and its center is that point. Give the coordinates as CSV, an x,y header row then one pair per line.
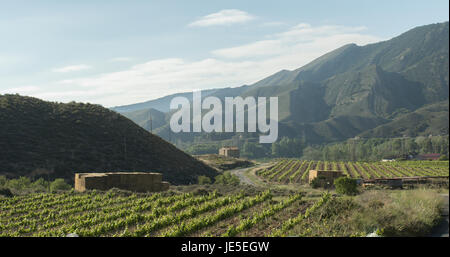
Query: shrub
x,y
6,192
443,158
315,183
19,183
227,179
346,186
40,185
59,184
320,181
3,181
203,180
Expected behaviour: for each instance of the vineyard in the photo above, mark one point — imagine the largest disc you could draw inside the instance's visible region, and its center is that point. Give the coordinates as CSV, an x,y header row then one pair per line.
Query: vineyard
x,y
182,214
296,171
211,213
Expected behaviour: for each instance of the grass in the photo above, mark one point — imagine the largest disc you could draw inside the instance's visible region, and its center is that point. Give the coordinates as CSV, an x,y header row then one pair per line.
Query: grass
x,y
391,213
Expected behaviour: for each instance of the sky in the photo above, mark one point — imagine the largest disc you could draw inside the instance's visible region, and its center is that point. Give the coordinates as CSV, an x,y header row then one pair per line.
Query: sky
x,y
123,52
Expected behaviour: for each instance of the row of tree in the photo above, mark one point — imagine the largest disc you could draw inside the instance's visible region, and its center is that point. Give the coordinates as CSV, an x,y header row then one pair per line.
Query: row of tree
x,y
375,149
371,149
24,185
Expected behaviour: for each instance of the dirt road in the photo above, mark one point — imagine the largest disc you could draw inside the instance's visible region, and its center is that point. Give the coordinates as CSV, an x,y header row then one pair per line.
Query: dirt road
x,y
241,175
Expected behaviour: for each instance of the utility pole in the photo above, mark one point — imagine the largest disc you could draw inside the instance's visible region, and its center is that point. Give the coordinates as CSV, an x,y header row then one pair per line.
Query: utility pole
x,y
150,118
170,135
125,147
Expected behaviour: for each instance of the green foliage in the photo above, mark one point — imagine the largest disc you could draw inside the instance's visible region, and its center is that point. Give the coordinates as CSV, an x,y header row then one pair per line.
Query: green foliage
x,y
287,147
59,185
315,183
443,158
41,185
203,149
346,186
20,183
375,149
25,185
204,180
227,179
254,150
3,181
6,192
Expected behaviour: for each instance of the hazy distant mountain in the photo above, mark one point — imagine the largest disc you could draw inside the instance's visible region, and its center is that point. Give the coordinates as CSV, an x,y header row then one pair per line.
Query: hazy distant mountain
x,y
39,138
360,90
163,104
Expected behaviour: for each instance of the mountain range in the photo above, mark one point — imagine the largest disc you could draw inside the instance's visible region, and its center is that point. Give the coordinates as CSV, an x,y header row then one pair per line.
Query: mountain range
x,y
393,88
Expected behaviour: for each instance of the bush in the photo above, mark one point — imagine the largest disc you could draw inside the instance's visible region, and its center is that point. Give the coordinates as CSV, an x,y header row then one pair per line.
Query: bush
x,y
19,183
40,185
315,183
3,181
346,186
59,184
6,192
227,179
443,158
320,181
203,180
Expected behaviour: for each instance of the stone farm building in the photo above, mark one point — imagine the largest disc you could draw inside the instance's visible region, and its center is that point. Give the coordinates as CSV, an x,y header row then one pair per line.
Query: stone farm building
x,y
133,181
325,176
229,152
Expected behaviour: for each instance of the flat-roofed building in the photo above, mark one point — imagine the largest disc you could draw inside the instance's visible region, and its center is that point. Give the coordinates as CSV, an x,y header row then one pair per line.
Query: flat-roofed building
x,y
229,152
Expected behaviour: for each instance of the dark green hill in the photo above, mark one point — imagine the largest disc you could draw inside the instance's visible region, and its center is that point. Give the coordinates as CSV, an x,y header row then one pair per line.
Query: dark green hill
x,y
39,138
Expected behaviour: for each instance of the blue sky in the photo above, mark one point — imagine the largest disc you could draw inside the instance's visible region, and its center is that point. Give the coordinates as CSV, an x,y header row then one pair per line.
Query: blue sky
x,y
123,52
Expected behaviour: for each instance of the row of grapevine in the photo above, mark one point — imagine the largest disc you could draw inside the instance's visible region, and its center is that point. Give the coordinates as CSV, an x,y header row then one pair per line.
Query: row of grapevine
x,y
290,223
297,171
245,224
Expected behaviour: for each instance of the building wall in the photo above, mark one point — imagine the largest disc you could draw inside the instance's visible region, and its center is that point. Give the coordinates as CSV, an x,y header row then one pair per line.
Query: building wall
x,y
133,181
230,152
328,175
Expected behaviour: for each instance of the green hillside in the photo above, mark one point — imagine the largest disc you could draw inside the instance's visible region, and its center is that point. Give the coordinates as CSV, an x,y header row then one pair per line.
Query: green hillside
x,y
431,119
53,140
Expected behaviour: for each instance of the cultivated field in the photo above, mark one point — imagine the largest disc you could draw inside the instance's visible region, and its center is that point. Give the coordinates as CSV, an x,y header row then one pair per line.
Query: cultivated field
x,y
235,210
184,214
296,171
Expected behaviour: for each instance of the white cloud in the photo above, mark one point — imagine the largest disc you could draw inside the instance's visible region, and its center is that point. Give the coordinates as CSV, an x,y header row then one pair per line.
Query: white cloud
x,y
223,17
303,37
258,48
72,68
234,66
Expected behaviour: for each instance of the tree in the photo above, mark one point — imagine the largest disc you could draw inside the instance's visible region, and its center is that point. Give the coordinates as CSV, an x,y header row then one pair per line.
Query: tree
x,y
59,184
346,186
253,150
227,179
203,180
40,185
443,158
20,183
